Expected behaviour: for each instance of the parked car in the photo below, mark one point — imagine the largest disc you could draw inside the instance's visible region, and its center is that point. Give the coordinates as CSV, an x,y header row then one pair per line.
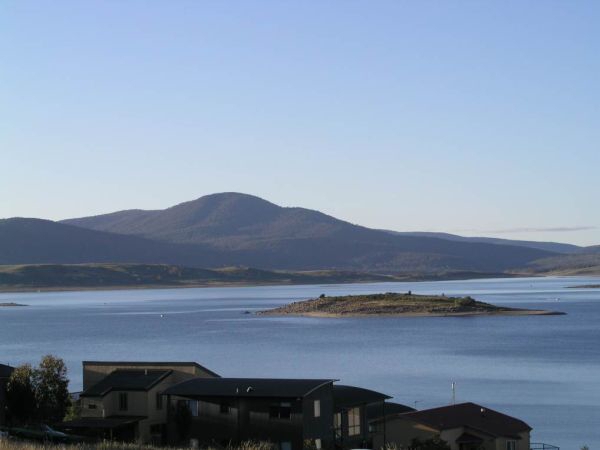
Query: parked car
x,y
44,433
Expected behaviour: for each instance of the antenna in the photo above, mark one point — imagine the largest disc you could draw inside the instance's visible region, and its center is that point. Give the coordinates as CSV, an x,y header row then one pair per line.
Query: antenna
x,y
453,393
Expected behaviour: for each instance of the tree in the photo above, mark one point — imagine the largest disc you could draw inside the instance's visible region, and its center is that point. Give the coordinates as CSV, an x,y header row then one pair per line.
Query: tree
x,y
20,395
52,389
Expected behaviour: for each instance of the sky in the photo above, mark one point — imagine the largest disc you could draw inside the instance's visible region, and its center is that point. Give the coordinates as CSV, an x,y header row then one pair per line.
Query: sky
x,y
469,117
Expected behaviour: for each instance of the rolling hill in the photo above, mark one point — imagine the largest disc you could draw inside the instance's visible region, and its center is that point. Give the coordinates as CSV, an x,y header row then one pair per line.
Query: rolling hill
x,y
239,229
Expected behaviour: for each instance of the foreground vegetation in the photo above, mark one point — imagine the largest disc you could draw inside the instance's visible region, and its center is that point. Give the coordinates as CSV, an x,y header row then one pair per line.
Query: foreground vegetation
x,y
14,445
395,304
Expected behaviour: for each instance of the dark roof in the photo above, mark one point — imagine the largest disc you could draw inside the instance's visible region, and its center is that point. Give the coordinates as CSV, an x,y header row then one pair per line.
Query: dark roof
x,y
376,411
348,396
5,371
126,380
470,415
151,364
101,422
246,387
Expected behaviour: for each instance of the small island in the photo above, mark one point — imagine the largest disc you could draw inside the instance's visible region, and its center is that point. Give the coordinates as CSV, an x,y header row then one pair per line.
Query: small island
x,y
585,286
10,304
397,304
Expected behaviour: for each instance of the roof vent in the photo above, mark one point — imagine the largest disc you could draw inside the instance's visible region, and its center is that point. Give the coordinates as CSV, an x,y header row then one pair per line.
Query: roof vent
x,y
145,371
249,389
482,410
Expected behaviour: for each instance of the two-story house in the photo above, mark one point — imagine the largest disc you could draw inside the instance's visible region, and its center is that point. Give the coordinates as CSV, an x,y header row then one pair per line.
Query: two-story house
x,y
291,413
123,400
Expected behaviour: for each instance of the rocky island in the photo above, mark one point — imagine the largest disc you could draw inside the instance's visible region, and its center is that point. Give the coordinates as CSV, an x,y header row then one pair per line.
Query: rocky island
x,y
10,304
397,304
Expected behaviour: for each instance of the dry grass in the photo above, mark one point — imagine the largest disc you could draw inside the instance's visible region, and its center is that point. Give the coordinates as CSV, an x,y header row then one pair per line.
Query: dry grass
x,y
15,445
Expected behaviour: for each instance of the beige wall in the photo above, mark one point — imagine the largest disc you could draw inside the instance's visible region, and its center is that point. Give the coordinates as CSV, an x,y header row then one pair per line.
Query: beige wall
x,y
140,403
400,432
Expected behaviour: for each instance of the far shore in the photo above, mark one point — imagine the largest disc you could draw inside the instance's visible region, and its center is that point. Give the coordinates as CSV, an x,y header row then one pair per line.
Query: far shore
x,y
217,284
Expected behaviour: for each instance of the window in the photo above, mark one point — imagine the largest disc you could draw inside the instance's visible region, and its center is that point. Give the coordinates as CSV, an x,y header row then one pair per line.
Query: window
x,y
123,406
159,401
318,444
280,411
225,408
353,421
511,445
317,408
285,446
193,407
337,425
92,406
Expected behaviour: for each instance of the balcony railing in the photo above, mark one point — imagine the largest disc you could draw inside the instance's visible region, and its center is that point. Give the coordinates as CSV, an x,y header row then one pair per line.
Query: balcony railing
x,y
542,446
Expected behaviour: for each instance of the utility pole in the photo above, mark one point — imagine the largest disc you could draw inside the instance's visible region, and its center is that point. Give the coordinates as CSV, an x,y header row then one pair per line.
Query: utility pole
x,y
453,393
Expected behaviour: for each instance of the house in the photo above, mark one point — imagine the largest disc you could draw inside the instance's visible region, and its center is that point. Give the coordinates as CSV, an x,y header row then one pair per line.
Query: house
x,y
123,400
464,426
5,373
354,409
291,413
287,412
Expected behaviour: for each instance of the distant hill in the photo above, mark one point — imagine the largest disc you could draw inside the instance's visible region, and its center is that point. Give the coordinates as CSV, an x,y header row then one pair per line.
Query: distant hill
x,y
24,241
96,276
577,264
233,229
555,247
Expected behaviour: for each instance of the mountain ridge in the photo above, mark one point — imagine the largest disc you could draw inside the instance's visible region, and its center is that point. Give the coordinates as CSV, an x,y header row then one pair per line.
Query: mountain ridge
x,y
233,229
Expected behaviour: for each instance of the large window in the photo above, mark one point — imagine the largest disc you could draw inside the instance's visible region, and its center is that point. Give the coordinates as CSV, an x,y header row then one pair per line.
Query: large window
x,y
159,401
353,421
123,401
317,408
511,445
337,425
280,411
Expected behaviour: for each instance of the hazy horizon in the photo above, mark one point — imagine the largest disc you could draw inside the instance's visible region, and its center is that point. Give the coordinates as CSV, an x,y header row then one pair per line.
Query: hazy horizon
x,y
467,118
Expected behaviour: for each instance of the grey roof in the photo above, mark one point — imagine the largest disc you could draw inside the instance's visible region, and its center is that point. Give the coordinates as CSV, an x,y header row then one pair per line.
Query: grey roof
x,y
126,380
470,415
246,387
348,396
377,410
150,364
5,371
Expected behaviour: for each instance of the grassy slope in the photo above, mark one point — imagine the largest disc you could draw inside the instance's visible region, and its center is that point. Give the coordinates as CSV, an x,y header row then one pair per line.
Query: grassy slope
x,y
144,275
97,276
389,304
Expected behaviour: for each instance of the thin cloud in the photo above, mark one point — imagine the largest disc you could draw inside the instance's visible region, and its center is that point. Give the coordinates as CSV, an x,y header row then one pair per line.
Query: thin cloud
x,y
534,230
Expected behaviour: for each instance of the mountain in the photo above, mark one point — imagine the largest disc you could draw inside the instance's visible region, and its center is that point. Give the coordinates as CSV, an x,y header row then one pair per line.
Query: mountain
x,y
239,229
555,247
39,241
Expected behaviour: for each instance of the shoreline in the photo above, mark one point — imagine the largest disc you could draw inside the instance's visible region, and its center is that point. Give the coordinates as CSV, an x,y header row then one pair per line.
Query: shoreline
x,y
25,289
514,312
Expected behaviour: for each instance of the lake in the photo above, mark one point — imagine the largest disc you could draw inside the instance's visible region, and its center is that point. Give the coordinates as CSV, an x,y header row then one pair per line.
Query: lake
x,y
542,369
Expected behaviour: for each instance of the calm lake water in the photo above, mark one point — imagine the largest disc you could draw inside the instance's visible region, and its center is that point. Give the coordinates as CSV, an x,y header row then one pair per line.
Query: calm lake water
x,y
543,369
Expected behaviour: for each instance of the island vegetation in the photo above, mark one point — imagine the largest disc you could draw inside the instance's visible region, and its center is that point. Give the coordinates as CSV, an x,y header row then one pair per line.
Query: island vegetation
x,y
396,304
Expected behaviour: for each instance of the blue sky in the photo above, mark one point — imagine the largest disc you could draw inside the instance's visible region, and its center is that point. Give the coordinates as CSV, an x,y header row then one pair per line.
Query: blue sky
x,y
479,118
